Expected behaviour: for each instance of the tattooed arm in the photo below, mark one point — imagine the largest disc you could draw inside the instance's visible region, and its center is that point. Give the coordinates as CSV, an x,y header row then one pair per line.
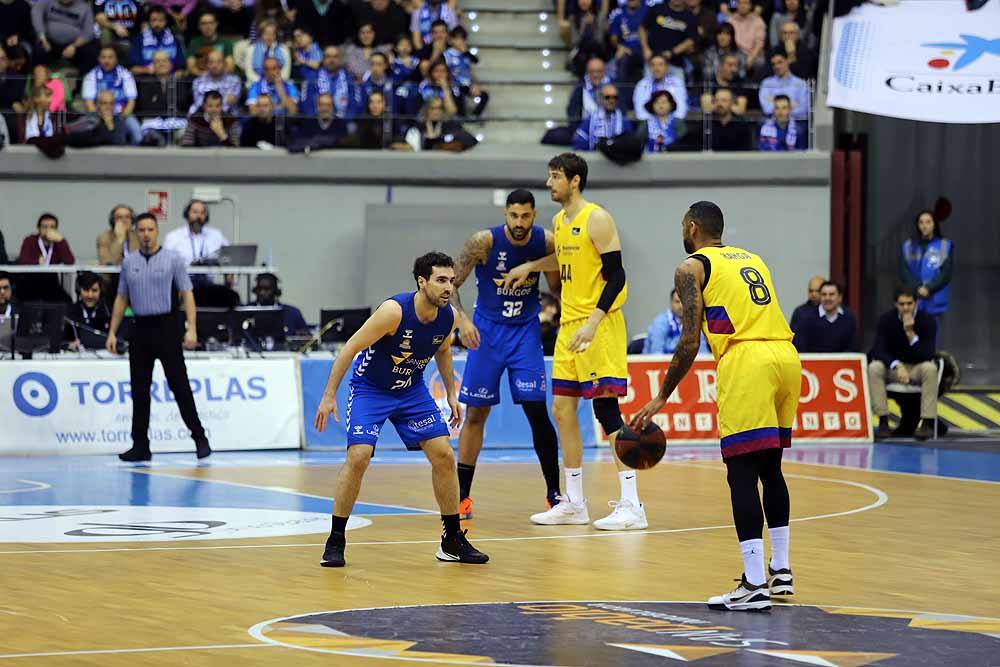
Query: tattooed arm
x,y
689,280
476,251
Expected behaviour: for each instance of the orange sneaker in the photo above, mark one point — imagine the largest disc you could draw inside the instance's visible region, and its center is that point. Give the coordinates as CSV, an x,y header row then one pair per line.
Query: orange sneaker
x,y
465,509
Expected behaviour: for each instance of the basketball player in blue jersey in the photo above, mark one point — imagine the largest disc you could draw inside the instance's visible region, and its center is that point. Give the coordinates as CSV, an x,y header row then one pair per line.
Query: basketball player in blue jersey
x,y
387,382
504,334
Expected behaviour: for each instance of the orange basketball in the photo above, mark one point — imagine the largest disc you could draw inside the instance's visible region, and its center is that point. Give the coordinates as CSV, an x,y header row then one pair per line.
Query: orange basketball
x,y
640,451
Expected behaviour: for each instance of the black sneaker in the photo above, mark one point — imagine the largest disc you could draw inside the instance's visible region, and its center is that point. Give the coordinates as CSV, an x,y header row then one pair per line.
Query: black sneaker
x,y
203,449
746,597
779,582
333,555
925,431
458,550
136,455
883,430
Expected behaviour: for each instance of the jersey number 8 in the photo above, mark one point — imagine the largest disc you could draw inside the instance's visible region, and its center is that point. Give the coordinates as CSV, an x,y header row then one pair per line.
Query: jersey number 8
x,y
759,293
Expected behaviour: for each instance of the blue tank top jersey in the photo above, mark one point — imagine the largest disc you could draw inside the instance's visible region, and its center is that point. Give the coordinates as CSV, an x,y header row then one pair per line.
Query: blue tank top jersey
x,y
511,306
397,362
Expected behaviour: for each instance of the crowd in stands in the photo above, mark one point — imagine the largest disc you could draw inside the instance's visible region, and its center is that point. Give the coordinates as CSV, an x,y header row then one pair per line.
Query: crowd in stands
x,y
306,74
744,63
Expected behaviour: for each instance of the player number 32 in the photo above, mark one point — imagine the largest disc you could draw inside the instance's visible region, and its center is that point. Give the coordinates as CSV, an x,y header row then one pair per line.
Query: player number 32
x,y
512,308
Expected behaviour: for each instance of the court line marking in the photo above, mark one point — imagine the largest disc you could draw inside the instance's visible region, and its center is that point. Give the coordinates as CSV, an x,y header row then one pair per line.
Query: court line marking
x,y
276,489
257,630
881,498
841,466
35,486
207,647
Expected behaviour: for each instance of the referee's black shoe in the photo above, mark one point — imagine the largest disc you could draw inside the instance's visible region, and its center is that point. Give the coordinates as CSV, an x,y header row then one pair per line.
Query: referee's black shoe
x,y
203,449
136,455
456,549
333,555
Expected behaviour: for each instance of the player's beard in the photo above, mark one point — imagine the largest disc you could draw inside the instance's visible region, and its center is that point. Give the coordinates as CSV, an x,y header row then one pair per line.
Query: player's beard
x,y
518,233
688,246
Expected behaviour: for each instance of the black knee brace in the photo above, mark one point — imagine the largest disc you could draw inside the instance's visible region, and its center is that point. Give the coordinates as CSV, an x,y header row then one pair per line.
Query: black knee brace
x,y
608,414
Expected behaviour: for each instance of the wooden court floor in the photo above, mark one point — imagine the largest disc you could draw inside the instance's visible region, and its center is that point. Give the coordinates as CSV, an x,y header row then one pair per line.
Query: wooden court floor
x,y
860,540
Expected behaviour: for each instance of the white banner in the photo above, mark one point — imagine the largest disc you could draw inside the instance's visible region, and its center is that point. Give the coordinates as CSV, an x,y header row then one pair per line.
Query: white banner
x,y
85,406
929,60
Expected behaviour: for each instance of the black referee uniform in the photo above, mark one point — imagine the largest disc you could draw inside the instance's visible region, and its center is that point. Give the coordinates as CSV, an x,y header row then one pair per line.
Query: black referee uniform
x,y
147,283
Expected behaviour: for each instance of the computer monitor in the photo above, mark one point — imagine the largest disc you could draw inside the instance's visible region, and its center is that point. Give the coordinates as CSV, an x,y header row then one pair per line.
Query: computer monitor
x,y
39,327
260,327
214,325
238,255
344,323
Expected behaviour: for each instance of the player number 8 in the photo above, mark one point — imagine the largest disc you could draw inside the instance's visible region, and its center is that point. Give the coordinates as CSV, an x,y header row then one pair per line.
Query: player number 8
x,y
759,293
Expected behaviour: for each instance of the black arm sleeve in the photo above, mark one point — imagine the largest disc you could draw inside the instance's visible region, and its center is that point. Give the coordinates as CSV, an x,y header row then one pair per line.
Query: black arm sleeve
x,y
614,274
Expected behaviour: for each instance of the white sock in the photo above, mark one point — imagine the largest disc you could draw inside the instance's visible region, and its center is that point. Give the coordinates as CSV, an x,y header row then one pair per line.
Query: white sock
x,y
628,483
574,485
753,561
779,548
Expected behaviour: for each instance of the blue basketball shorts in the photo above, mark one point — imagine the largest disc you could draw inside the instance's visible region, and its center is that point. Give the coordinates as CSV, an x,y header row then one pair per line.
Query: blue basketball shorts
x,y
515,348
412,412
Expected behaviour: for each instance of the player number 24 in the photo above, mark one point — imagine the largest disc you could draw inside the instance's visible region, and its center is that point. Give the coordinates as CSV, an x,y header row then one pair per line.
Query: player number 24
x,y
759,293
512,308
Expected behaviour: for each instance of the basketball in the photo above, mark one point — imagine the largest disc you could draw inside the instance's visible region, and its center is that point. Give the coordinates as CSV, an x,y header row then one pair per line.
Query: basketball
x,y
640,451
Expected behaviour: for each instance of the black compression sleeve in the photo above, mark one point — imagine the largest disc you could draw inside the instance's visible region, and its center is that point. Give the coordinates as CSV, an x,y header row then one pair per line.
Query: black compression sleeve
x,y
614,274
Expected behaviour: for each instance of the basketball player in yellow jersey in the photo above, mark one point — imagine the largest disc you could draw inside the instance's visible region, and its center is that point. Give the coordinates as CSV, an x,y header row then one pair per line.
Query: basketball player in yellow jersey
x,y
590,352
728,292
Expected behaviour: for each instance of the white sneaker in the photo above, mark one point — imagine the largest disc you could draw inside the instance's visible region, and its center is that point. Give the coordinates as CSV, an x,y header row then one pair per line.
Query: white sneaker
x,y
625,516
746,597
564,513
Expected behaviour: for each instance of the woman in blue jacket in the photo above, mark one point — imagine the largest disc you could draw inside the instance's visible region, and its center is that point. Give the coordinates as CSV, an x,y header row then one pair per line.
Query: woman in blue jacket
x,y
926,263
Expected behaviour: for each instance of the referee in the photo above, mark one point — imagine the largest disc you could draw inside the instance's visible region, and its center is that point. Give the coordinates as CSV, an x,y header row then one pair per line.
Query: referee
x,y
147,281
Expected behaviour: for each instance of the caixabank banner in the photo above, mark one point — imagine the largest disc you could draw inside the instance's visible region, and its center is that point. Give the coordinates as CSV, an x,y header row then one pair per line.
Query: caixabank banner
x,y
85,406
833,403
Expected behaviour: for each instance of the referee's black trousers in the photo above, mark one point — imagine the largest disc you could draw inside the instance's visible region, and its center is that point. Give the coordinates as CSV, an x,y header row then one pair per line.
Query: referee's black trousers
x,y
159,337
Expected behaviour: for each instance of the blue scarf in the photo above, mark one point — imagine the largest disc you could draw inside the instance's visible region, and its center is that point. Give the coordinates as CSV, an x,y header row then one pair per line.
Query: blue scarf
x,y
590,106
339,86
658,128
605,126
260,52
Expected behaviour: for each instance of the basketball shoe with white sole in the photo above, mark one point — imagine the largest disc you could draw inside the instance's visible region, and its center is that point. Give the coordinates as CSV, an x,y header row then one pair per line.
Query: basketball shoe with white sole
x,y
745,597
624,516
780,581
563,513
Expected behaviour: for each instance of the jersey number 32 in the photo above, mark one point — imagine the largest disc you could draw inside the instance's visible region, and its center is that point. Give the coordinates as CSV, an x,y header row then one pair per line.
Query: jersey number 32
x,y
512,308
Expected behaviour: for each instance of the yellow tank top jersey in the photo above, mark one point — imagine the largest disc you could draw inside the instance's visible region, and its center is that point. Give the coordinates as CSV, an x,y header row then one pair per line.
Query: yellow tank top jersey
x,y
740,301
580,266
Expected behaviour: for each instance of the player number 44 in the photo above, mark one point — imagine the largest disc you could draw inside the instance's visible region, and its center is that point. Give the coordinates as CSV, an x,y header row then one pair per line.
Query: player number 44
x,y
512,308
566,273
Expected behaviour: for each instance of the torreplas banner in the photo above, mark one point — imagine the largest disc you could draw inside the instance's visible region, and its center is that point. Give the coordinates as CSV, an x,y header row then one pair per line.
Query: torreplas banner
x,y
928,60
85,406
833,402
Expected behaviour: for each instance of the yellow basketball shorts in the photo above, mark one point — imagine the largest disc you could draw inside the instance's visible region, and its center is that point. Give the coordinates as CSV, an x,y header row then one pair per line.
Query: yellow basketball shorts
x,y
758,385
601,369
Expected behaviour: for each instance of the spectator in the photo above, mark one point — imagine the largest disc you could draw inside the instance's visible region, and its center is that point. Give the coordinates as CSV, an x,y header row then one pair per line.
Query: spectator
x,y
728,7
588,34
46,246
660,77
208,127
216,78
208,27
90,310
39,123
65,29
665,330
117,21
670,30
160,120
318,133
119,239
378,77
829,328
623,34
261,127
235,16
779,133
267,291
661,123
112,77
548,319
439,84
750,34
707,19
103,127
793,11
389,20
728,132
8,307
804,311
265,47
904,352
375,130
783,82
406,77
16,28
460,61
11,87
41,75
584,99
179,11
306,58
435,133
197,242
358,54
422,20
156,37
727,75
802,60
273,11
331,21
3,250
607,122
724,45
926,264
333,80
283,94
